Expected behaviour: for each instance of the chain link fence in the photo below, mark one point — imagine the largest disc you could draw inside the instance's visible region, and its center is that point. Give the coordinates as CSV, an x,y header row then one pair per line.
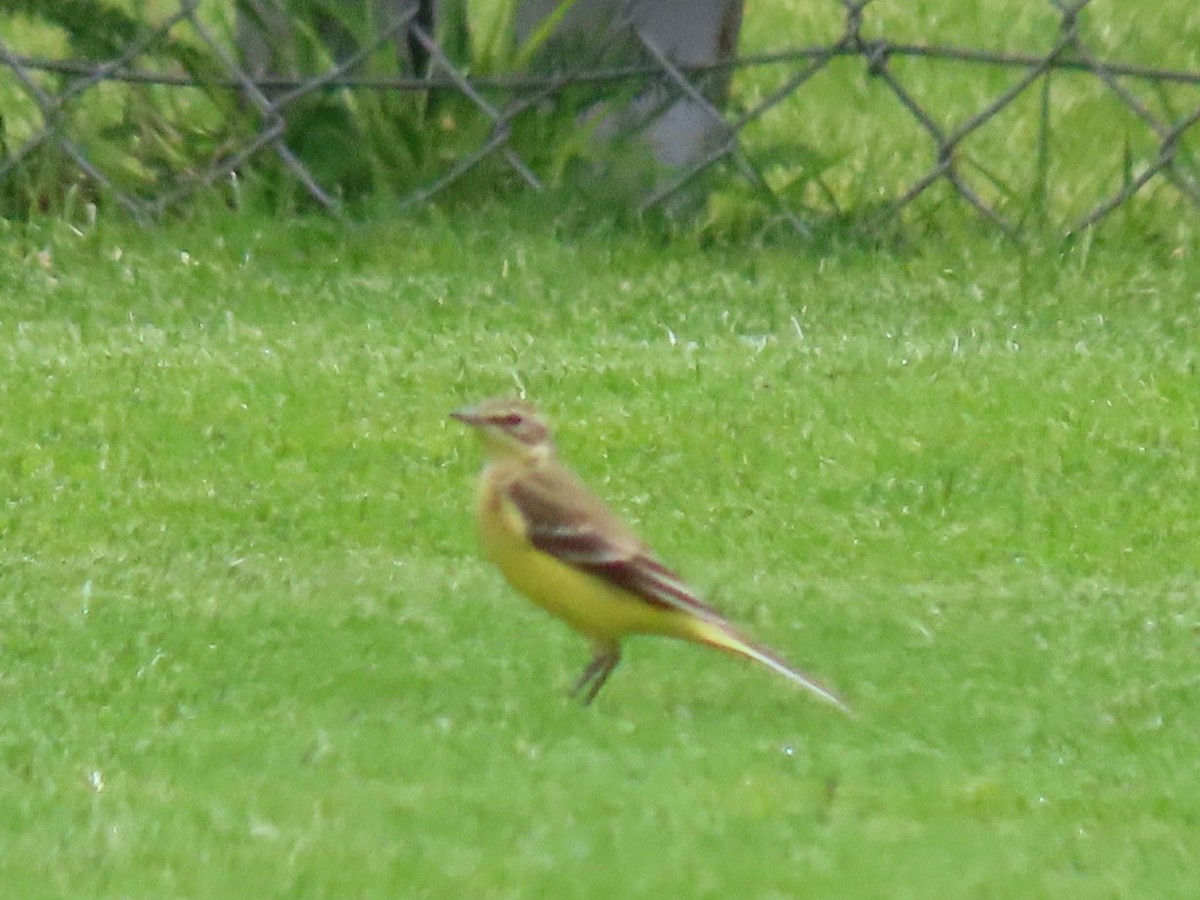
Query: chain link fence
x,y
851,118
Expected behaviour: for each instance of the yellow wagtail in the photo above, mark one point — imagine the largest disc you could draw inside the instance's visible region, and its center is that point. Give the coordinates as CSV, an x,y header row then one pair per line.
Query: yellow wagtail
x,y
557,543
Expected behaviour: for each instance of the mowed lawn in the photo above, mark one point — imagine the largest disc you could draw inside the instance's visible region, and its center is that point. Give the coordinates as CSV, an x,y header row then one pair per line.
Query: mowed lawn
x,y
248,646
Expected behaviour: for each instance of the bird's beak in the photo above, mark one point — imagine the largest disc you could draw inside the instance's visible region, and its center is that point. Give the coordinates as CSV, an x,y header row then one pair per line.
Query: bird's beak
x,y
468,415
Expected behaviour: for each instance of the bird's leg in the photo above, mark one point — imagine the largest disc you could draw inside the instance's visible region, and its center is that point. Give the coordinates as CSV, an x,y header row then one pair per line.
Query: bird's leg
x,y
593,677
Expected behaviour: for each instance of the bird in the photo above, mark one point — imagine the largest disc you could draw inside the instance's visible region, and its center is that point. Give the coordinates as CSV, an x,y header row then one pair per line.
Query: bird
x,y
559,544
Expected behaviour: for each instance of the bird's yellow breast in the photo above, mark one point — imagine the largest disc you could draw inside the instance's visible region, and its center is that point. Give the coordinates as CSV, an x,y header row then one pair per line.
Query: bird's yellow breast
x,y
592,606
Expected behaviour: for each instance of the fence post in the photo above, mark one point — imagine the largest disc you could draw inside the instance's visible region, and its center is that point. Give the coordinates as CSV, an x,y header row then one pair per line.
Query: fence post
x,y
686,32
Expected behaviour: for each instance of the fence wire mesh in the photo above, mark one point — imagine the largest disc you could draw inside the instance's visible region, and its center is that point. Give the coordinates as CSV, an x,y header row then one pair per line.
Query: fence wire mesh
x,y
857,119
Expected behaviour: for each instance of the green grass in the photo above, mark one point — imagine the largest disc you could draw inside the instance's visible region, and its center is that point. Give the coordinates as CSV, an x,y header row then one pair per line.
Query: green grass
x,y
247,645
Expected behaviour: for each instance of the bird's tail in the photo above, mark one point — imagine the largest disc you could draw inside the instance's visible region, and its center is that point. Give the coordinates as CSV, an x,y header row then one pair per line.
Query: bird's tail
x,y
724,637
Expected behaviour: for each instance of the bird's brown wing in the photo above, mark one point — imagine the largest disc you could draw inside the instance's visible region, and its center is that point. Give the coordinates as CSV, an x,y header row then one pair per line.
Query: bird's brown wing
x,y
567,521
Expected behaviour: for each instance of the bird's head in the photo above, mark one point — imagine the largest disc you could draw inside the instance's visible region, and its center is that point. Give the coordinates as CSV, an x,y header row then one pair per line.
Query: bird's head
x,y
509,428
